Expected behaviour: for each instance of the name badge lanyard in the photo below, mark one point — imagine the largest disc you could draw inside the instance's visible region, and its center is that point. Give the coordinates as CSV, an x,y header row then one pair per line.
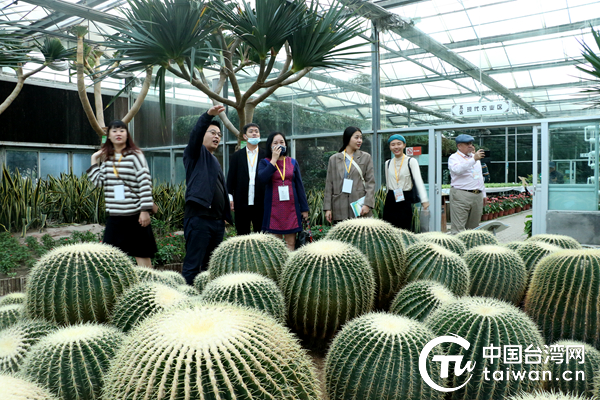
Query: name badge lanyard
x,y
284,192
252,172
349,167
347,184
119,190
398,192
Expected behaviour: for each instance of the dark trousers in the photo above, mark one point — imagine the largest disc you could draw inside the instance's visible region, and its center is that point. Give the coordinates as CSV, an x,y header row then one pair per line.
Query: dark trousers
x,y
398,214
202,236
244,216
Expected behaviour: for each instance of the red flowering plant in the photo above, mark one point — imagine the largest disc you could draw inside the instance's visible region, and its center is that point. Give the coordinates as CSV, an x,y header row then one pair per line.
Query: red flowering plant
x,y
319,231
171,249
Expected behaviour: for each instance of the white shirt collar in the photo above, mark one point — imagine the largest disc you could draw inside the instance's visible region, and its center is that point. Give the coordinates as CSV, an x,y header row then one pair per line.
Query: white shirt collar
x,y
251,151
464,155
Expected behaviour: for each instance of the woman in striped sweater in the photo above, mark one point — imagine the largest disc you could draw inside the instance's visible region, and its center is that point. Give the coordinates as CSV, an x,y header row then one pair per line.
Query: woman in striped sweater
x,y
120,166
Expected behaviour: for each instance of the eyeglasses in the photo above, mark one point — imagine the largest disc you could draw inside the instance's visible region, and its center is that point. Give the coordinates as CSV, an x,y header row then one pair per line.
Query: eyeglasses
x,y
215,133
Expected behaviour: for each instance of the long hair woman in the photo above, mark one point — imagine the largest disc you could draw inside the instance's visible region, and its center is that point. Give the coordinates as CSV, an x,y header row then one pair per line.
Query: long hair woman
x,y
121,168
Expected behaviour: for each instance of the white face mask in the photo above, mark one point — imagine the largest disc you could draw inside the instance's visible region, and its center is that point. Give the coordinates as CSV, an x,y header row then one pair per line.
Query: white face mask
x,y
253,141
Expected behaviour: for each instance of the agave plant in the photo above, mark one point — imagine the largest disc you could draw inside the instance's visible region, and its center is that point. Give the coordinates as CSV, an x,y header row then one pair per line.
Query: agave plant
x,y
594,59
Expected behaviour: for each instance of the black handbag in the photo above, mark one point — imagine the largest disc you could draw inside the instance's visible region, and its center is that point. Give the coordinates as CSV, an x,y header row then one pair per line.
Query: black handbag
x,y
414,191
304,236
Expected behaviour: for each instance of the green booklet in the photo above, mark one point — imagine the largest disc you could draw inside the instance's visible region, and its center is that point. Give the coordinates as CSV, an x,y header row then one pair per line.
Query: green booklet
x,y
357,206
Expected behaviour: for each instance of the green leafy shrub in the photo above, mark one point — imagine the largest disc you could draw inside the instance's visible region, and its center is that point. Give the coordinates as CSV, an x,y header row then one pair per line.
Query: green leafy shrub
x,y
12,254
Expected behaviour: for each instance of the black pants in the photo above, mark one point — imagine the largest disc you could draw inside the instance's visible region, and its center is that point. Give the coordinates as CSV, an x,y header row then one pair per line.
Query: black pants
x,y
202,236
245,215
398,214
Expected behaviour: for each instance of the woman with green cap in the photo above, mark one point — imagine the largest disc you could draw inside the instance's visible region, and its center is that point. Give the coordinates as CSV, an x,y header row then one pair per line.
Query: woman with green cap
x,y
402,173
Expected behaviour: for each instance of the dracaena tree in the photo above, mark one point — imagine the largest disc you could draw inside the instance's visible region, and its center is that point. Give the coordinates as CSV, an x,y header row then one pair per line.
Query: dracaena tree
x,y
593,58
282,40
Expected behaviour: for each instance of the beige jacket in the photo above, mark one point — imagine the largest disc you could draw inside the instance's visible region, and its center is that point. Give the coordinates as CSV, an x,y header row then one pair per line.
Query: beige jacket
x,y
336,201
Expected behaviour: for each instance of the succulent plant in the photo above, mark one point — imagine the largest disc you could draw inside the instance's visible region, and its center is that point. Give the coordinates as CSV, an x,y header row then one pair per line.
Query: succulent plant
x,y
539,395
12,298
491,323
173,276
514,245
10,314
474,238
419,298
496,271
78,283
247,289
187,290
14,387
146,274
533,252
257,252
325,284
432,262
201,280
143,300
384,250
16,341
573,375
446,241
71,361
376,356
408,238
217,351
562,241
564,296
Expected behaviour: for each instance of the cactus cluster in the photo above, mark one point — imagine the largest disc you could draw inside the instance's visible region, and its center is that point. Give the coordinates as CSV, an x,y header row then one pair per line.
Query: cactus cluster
x,y
258,252
496,271
12,298
218,351
408,238
474,238
146,274
376,356
201,280
78,283
173,276
187,290
419,298
539,395
446,241
533,251
564,296
579,364
18,388
562,241
384,250
325,284
247,289
16,341
10,314
71,361
432,262
483,322
143,300
514,245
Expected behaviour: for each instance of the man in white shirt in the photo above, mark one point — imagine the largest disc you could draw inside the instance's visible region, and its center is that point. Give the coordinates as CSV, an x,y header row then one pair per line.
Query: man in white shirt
x,y
467,195
246,193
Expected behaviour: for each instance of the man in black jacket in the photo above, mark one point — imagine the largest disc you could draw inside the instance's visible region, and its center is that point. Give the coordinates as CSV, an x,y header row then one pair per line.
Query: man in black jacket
x,y
206,197
246,193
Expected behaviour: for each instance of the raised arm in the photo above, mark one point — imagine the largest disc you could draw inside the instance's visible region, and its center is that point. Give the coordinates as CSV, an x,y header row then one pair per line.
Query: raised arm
x,y
197,135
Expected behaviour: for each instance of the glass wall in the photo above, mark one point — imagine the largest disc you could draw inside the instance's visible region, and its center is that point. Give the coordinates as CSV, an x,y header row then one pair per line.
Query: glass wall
x,y
36,164
53,164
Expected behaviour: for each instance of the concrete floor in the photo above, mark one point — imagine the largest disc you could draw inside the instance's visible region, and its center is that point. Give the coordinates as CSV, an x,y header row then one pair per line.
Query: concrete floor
x,y
514,232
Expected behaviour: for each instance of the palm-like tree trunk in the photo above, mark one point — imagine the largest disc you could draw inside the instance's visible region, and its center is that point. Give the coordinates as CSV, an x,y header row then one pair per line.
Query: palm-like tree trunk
x,y
20,83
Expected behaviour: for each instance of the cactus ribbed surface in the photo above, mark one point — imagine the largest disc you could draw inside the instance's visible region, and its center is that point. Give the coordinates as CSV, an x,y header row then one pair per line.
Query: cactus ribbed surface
x,y
325,284
10,315
539,395
142,301
579,373
428,261
564,296
201,280
514,245
12,298
562,241
217,351
247,289
173,276
146,274
258,252
78,283
496,271
419,298
476,238
446,241
71,362
18,388
485,321
408,238
533,252
187,290
384,250
376,356
16,341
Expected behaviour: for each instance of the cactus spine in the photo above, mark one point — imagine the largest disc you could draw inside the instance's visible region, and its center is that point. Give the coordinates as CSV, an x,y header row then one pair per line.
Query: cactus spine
x,y
476,238
514,245
10,314
446,241
16,341
580,371
564,296
485,322
143,300
496,271
217,351
258,252
247,289
146,274
562,241
201,280
432,262
78,283
12,298
533,252
539,395
384,250
173,276
376,356
19,388
418,299
408,238
72,361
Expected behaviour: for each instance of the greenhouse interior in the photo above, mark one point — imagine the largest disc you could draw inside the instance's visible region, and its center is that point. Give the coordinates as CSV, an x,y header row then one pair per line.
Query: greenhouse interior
x,y
519,78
